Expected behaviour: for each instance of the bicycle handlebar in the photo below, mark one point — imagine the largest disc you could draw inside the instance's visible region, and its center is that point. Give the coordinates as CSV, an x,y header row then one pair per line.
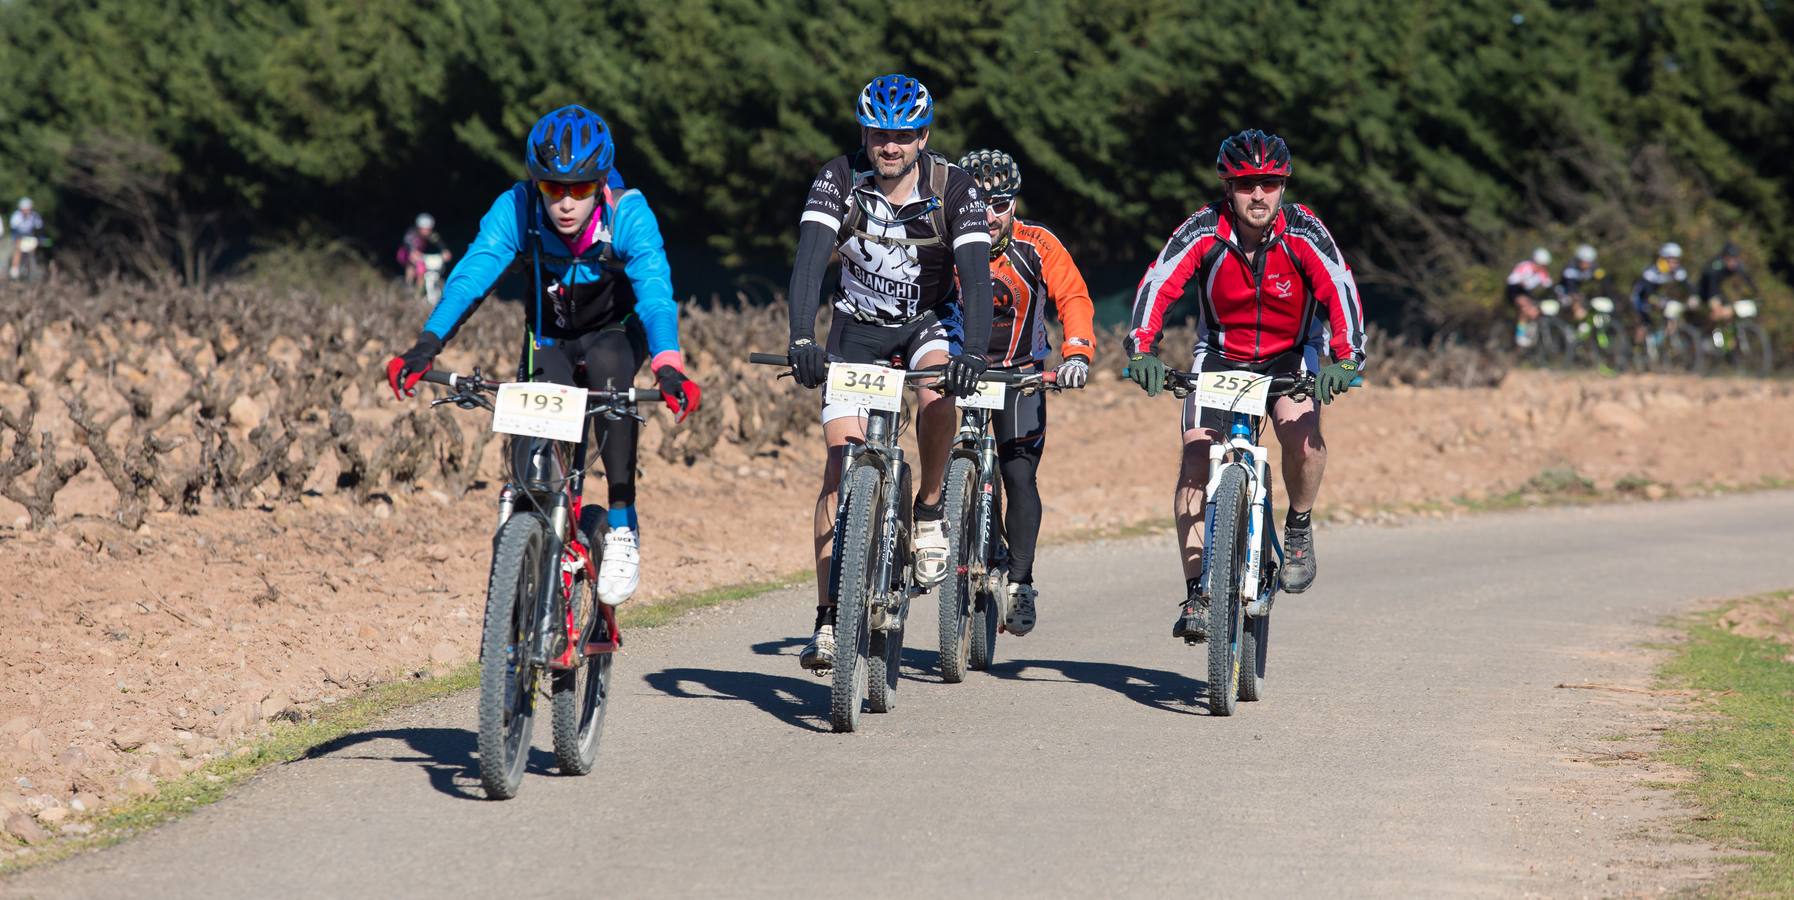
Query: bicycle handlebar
x,y
1044,379
1300,384
477,384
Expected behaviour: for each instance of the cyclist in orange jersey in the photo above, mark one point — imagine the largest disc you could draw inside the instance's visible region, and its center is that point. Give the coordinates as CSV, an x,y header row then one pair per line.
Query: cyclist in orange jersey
x,y
1028,268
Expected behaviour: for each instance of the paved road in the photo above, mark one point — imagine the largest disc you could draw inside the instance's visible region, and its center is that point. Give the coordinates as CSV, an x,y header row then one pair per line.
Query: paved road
x,y
1413,742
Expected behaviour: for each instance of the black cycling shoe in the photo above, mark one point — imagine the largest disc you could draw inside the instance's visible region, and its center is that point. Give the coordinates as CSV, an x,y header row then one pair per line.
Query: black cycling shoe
x,y
1192,619
1298,560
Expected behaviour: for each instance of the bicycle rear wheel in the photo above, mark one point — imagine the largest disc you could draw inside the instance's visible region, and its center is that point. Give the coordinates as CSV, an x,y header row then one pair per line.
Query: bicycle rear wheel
x,y
884,656
1227,559
988,599
1255,638
956,593
855,541
507,676
581,695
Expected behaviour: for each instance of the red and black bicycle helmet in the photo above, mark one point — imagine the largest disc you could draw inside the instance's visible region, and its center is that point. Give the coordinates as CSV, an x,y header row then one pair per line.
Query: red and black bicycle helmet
x,y
1251,153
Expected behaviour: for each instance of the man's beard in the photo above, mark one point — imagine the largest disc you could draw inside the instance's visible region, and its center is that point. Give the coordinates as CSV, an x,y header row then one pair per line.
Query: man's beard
x,y
903,170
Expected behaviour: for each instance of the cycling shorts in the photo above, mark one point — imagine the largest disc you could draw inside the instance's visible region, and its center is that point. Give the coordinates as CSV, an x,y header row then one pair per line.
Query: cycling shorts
x,y
854,341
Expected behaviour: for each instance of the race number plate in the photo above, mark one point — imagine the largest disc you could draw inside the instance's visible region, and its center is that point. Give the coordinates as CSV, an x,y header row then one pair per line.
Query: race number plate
x,y
535,409
1234,391
1674,309
1745,308
990,396
865,385
1550,307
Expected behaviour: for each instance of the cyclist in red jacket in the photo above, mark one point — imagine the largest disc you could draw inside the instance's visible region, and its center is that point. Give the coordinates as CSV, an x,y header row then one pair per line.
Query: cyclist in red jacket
x,y
1270,284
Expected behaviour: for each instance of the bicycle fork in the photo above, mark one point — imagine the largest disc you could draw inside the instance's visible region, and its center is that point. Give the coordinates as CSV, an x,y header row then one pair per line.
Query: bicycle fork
x,y
1256,465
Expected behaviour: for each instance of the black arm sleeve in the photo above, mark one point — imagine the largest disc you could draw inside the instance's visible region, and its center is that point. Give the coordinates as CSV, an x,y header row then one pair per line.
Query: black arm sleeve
x,y
972,260
814,245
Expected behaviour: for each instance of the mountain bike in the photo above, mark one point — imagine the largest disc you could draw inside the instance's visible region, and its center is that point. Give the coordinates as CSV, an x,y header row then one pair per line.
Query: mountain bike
x,y
1674,346
1601,339
971,599
1545,341
870,575
1740,340
30,269
429,280
543,617
1242,553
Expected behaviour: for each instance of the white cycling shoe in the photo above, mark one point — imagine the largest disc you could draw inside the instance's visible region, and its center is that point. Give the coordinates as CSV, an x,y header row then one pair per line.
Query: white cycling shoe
x,y
931,553
1019,619
620,569
819,653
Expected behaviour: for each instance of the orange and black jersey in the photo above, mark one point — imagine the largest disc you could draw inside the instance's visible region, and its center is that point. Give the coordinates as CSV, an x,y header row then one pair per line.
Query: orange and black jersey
x,y
1034,268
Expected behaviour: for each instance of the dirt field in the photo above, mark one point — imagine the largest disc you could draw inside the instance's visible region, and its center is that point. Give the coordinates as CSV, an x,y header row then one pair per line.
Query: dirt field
x,y
134,656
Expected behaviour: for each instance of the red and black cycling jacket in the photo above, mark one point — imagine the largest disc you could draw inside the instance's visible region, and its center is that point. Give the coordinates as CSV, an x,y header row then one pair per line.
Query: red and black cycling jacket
x,y
1252,311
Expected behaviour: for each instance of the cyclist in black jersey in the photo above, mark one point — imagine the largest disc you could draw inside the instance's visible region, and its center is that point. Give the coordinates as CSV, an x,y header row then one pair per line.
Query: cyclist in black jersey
x,y
904,221
1727,265
1580,280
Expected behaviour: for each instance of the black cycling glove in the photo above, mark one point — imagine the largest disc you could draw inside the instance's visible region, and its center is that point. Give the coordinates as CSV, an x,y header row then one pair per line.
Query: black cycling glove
x,y
962,373
809,362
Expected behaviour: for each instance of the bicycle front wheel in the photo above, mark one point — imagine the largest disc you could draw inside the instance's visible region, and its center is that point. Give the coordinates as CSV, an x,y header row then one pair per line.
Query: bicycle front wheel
x,y
856,540
956,593
1226,614
1683,351
1754,355
507,676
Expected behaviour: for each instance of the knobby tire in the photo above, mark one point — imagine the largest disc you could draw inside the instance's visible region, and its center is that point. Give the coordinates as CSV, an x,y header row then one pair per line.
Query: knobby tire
x,y
856,543
1226,612
507,678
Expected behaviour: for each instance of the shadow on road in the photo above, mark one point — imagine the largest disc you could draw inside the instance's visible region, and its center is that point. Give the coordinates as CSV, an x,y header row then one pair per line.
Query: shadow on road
x,y
795,701
778,647
445,754
1157,688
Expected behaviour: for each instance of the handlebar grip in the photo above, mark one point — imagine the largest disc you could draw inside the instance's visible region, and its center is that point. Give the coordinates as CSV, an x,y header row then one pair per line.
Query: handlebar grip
x,y
1357,381
769,359
444,378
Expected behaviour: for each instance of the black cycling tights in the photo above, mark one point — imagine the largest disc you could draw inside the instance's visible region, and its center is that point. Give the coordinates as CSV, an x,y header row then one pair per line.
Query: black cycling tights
x,y
1018,462
612,356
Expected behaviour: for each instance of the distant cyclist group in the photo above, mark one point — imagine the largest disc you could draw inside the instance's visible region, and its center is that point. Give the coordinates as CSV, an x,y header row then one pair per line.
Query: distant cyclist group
x,y
941,284
1673,320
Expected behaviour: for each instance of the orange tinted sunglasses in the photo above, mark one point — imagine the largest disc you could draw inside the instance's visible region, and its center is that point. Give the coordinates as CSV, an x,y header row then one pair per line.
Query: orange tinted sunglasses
x,y
554,190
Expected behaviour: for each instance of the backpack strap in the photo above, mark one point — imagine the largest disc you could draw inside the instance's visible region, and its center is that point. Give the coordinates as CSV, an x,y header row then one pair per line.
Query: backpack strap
x,y
937,211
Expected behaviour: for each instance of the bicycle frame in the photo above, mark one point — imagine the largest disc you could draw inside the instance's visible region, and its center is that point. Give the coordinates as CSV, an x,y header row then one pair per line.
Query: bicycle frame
x,y
543,473
1246,453
976,443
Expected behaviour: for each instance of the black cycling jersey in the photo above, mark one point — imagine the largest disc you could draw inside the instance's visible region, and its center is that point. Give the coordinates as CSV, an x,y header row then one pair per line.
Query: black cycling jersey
x,y
896,280
1717,273
1581,282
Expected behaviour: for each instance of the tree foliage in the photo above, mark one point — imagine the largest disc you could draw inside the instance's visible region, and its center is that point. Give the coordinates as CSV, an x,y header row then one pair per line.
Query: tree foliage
x,y
1427,133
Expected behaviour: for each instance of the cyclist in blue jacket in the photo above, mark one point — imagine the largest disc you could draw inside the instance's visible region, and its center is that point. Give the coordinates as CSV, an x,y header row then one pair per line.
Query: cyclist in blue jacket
x,y
602,300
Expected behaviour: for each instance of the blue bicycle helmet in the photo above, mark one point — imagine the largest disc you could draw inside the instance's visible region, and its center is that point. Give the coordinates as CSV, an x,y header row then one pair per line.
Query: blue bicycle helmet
x,y
896,102
571,144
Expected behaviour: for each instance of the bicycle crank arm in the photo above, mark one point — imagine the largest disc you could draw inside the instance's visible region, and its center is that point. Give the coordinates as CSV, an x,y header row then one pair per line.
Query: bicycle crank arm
x,y
596,648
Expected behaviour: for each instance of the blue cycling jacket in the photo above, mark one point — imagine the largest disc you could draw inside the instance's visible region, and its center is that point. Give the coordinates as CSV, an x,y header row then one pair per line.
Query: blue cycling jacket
x,y
581,293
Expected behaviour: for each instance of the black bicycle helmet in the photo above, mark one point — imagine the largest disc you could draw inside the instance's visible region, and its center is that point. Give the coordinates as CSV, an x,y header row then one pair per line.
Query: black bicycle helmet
x,y
994,171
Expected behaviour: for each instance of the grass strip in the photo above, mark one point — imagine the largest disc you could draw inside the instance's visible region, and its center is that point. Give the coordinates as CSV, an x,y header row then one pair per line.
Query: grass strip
x,y
1740,753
